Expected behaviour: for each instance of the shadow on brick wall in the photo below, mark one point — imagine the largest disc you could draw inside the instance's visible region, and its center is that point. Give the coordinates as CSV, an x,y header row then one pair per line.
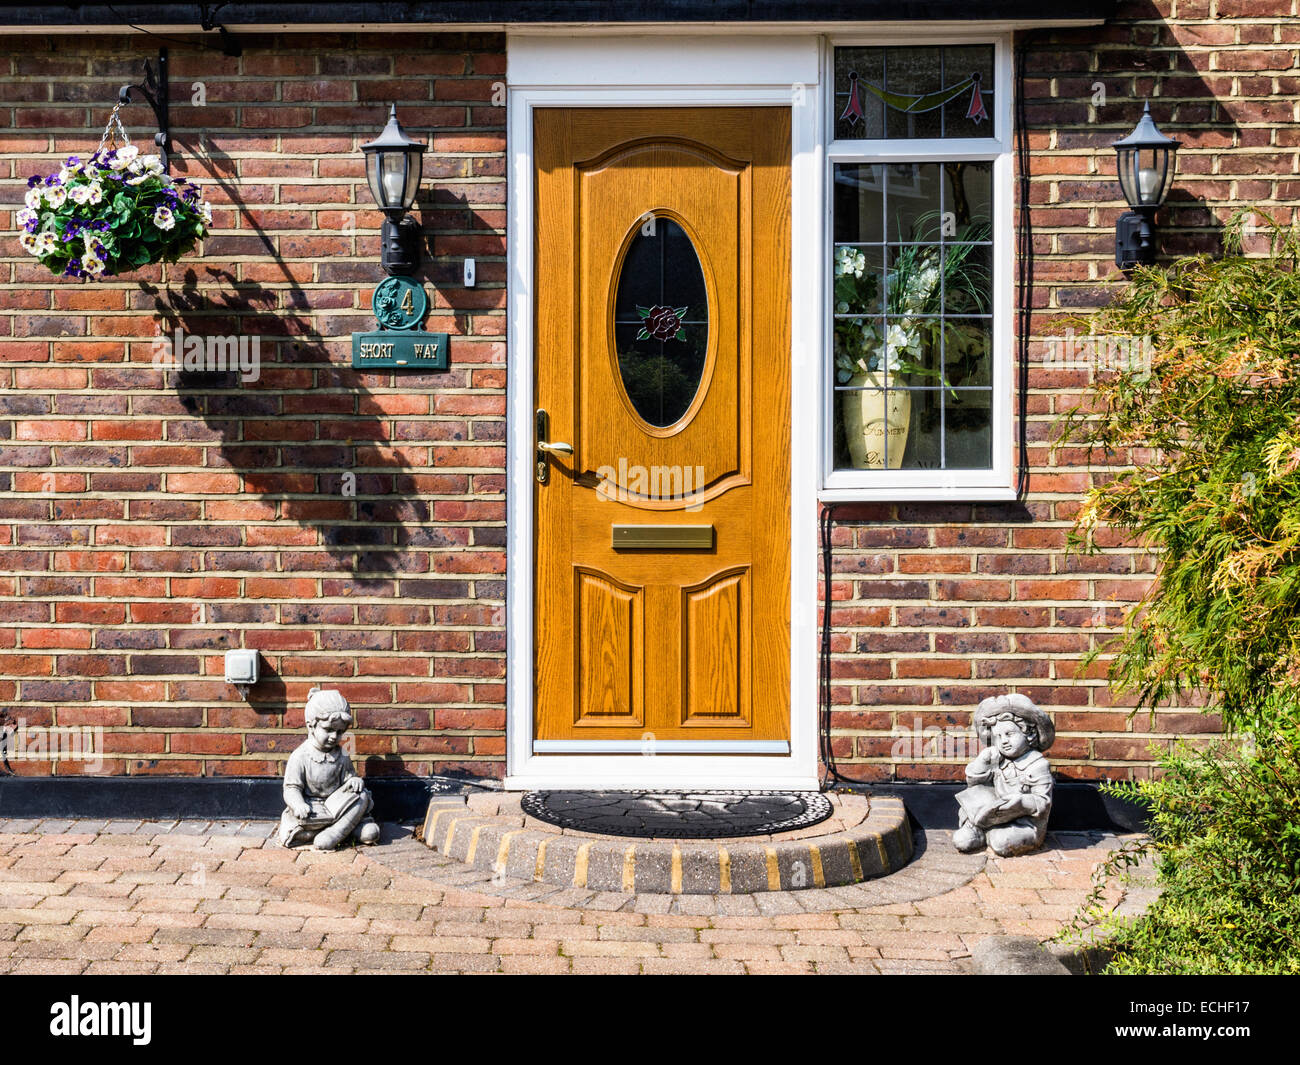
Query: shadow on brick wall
x,y
1088,87
329,470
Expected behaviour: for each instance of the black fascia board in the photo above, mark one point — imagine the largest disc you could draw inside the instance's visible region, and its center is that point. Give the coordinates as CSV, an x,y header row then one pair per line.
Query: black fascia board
x,y
234,15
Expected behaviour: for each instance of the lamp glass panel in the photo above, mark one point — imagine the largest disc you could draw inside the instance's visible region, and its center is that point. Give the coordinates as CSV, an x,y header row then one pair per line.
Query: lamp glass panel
x,y
372,177
392,176
1128,181
414,171
1165,169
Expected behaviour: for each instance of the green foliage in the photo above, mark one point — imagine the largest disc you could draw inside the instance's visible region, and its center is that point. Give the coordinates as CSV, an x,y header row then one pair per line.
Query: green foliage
x,y
1225,836
1212,430
1205,439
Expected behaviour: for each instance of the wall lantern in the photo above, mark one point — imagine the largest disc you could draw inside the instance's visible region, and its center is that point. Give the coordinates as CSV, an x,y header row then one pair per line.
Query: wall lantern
x,y
394,166
1146,170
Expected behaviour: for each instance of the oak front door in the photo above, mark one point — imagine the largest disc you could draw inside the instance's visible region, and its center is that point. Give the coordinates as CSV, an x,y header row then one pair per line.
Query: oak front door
x,y
662,469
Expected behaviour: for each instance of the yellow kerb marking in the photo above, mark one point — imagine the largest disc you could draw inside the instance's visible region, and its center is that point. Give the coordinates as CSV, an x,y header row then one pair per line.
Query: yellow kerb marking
x,y
503,851
451,831
431,832
629,869
580,866
724,871
773,870
676,885
880,846
540,867
473,844
819,878
855,860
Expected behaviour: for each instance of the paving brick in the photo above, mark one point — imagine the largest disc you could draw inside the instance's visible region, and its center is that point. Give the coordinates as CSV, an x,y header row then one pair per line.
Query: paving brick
x,y
747,951
579,948
533,964
472,963
522,947
349,914
378,959
606,967
688,967
771,968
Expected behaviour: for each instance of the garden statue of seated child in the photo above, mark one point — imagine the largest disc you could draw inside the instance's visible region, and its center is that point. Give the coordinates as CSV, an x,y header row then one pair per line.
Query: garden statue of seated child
x,y
326,802
1009,794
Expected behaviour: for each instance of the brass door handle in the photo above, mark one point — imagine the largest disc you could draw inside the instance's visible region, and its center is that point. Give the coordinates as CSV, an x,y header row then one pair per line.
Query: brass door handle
x,y
545,447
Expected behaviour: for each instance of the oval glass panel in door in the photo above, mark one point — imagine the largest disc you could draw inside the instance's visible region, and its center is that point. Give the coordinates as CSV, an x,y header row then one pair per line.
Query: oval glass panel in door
x,y
661,322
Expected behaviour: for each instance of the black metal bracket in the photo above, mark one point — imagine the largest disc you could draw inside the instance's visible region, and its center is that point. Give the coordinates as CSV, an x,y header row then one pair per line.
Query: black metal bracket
x,y
1135,239
230,46
154,90
400,244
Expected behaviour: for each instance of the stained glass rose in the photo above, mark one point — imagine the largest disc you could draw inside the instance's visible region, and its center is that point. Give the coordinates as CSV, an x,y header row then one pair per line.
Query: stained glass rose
x,y
661,323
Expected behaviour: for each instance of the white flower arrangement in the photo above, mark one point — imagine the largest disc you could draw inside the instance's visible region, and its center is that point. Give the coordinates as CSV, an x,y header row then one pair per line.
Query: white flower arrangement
x,y
115,212
893,336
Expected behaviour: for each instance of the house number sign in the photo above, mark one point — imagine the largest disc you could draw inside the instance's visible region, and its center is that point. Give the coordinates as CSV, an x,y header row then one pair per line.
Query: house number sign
x,y
400,306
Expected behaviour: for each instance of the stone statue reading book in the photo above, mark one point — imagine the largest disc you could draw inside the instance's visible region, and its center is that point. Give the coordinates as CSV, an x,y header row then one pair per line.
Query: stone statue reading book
x,y
1009,794
326,802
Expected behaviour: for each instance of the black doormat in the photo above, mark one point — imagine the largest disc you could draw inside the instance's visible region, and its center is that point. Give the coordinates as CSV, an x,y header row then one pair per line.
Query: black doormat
x,y
678,814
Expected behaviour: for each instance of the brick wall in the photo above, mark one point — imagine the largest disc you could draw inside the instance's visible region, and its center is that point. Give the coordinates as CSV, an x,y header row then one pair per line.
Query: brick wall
x,y
151,523
937,607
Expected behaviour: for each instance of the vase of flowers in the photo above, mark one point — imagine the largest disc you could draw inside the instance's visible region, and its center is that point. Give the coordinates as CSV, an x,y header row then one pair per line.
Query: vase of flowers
x,y
113,213
868,356
878,358
876,422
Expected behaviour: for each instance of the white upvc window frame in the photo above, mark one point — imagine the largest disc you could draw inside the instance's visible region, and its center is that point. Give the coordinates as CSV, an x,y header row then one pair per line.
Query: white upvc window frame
x,y
955,485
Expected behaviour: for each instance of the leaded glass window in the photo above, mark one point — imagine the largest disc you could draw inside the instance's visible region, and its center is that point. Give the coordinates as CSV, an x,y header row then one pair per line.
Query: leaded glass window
x,y
661,326
913,261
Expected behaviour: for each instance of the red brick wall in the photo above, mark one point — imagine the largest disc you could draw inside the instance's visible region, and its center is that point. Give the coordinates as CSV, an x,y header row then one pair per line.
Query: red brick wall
x,y
937,607
150,524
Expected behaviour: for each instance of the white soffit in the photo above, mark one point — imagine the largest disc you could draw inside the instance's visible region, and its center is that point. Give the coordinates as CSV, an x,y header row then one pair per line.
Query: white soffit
x,y
710,60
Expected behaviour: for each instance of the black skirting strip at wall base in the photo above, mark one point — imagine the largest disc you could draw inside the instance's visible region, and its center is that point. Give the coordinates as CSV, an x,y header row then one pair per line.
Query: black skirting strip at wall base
x,y
205,798
1077,806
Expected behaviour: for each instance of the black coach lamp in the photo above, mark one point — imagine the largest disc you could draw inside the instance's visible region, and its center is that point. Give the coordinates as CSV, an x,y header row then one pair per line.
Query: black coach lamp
x,y
1145,160
394,166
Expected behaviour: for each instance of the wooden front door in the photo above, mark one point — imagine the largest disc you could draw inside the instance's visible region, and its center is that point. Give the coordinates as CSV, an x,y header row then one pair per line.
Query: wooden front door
x,y
662,546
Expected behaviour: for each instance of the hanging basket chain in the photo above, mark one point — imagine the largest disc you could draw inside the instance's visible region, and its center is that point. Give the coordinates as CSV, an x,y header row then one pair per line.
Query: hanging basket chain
x,y
113,129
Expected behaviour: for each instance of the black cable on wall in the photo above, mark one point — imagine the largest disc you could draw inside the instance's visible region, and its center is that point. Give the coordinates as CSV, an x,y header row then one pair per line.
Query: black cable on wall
x,y
1024,266
1024,324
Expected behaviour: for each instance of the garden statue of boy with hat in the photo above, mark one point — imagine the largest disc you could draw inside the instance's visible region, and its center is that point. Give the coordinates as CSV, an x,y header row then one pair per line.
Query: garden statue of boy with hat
x,y
1009,794
326,802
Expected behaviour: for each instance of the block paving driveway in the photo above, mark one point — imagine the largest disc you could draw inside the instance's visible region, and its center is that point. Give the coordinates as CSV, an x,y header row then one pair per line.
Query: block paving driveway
x,y
222,897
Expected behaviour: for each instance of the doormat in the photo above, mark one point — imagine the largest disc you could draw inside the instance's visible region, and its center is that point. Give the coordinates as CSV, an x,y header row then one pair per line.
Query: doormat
x,y
678,814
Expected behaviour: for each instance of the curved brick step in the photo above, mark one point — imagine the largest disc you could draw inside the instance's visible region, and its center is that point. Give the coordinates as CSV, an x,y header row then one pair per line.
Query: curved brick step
x,y
863,840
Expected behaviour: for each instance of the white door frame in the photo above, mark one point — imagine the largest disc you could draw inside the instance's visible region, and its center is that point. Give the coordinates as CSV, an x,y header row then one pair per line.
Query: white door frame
x,y
649,71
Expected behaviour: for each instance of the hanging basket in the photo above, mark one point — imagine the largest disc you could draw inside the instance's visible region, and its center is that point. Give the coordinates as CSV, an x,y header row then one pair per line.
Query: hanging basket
x,y
114,213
